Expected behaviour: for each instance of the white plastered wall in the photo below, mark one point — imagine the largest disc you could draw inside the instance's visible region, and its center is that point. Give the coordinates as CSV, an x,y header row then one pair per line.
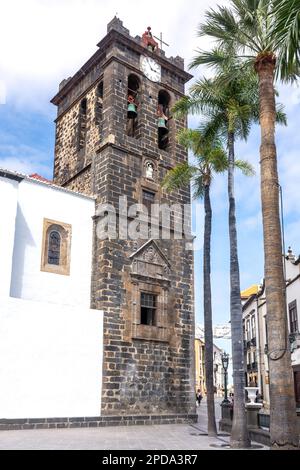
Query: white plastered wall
x,y
51,360
50,340
37,201
8,212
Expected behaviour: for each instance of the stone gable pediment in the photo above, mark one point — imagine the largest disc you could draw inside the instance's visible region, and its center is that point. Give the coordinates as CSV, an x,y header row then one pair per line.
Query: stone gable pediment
x,y
150,261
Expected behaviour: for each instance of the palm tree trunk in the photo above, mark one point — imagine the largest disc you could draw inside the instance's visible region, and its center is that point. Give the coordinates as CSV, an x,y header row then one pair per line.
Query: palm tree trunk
x,y
239,433
208,333
283,426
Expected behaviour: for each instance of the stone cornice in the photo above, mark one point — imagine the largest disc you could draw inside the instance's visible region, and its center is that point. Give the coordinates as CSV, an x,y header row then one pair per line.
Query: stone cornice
x,y
110,38
114,35
96,58
293,280
142,153
78,99
150,280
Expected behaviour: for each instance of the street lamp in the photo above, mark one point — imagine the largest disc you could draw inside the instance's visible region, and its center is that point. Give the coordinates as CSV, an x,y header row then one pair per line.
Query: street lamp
x,y
225,362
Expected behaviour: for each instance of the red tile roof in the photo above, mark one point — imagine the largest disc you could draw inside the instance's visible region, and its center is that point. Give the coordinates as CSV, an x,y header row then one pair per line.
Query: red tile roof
x,y
40,178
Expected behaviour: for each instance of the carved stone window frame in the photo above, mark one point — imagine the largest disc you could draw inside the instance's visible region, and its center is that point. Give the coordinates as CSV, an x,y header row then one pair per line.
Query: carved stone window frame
x,y
65,231
147,184
145,163
150,271
159,331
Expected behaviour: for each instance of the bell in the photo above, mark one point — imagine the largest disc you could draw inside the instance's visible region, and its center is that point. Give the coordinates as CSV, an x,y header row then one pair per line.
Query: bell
x,y
131,111
162,128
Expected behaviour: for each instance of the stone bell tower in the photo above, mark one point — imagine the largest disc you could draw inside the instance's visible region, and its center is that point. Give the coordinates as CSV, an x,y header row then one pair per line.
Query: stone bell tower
x,y
115,136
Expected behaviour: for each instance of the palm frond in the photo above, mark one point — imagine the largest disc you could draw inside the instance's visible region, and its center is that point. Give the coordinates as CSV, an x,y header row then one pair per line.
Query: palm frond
x,y
281,117
220,24
184,106
210,158
190,139
286,31
179,177
215,57
245,167
218,159
214,126
198,187
251,27
249,15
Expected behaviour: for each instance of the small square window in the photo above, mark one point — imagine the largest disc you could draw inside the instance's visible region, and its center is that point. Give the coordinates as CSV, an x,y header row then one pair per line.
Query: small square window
x,y
148,200
148,309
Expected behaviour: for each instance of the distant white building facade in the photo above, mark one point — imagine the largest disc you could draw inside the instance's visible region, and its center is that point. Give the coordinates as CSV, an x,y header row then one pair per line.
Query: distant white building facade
x,y
255,330
200,363
218,371
50,338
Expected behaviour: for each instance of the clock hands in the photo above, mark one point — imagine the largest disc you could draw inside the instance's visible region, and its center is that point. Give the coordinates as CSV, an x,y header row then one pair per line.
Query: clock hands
x,y
153,70
150,68
149,63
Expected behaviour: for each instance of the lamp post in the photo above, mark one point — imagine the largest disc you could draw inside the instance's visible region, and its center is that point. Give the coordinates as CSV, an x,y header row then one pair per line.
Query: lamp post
x,y
225,362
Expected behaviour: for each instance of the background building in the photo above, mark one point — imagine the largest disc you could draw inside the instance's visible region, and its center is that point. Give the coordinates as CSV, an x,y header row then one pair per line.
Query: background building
x,y
218,371
250,329
200,364
255,331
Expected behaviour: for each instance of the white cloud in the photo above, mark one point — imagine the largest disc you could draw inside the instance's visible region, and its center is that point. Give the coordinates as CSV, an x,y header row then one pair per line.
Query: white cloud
x,y
24,159
2,92
292,236
47,41
289,96
288,144
290,177
252,222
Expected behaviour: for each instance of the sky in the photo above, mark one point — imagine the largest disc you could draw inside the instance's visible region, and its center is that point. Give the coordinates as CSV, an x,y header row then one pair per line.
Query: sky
x,y
48,40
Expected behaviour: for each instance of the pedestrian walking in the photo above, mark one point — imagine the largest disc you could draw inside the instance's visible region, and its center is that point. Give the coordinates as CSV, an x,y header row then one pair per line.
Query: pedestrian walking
x,y
198,397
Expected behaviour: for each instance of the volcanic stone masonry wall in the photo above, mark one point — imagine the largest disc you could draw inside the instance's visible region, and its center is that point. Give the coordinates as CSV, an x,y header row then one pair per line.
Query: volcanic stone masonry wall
x,y
146,369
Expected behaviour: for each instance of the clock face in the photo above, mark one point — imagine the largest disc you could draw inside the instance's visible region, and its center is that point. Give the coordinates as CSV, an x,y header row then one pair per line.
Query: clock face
x,y
151,69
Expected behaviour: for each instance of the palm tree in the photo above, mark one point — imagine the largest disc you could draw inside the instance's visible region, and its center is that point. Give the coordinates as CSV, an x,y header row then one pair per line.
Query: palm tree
x,y
250,33
210,159
231,106
287,32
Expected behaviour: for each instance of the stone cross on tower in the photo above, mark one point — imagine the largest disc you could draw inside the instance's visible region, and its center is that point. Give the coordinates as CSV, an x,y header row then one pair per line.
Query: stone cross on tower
x,y
161,40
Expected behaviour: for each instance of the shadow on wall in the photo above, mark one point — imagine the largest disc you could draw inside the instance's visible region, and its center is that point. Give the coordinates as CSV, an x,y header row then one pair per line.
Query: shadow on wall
x,y
22,240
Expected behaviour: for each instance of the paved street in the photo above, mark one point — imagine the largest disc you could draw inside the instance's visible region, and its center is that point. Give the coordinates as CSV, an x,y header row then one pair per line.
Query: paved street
x,y
157,437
